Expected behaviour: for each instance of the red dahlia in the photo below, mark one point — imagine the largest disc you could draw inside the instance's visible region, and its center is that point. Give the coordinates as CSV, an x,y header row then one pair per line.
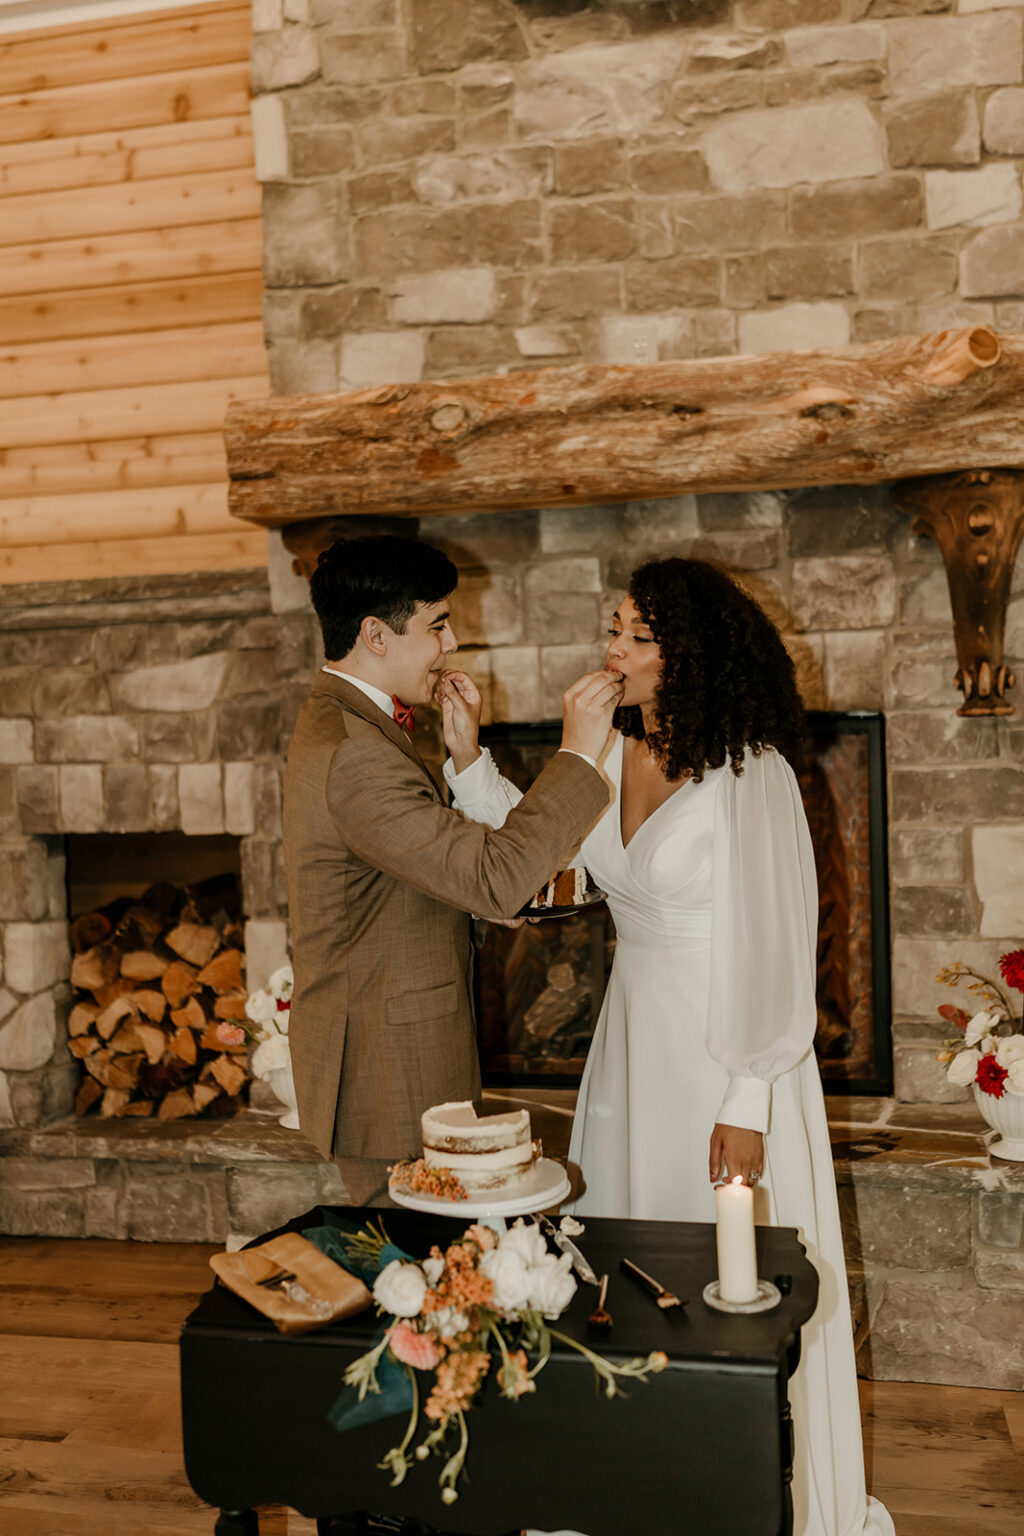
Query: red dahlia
x,y
991,1077
1012,966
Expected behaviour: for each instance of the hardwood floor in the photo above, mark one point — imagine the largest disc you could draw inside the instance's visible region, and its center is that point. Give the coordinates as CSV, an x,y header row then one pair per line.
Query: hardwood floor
x,y
90,1442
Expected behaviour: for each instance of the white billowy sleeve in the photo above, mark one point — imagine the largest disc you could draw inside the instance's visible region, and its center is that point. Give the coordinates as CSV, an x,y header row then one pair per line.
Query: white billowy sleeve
x,y
480,792
764,924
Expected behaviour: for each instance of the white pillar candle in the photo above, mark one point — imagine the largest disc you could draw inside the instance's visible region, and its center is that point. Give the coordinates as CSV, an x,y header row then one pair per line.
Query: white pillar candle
x,y
734,1232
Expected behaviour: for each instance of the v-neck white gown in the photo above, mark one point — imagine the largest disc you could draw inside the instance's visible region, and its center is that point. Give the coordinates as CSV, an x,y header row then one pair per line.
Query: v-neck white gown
x,y
708,1017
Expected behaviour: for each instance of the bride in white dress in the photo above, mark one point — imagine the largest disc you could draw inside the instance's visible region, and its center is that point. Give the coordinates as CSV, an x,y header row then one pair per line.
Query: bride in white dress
x,y
702,1060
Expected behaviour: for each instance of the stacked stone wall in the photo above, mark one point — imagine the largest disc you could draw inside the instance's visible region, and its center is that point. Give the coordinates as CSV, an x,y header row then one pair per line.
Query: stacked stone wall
x,y
155,705
932,1231
465,186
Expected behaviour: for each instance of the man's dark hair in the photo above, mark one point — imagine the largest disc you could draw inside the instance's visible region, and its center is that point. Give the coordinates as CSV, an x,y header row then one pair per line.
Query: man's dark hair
x,y
727,682
383,575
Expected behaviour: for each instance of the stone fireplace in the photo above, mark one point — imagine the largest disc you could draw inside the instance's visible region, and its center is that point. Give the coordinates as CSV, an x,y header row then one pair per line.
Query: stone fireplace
x,y
148,715
163,704
555,184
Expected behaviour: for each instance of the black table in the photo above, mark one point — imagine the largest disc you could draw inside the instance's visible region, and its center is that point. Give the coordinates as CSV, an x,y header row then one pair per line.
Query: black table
x,y
703,1449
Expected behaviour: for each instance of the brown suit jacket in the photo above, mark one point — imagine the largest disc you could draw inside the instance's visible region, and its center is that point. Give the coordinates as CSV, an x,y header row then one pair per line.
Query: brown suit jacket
x,y
381,877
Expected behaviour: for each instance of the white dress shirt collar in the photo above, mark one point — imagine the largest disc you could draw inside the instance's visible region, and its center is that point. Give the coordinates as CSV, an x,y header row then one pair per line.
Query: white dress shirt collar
x,y
382,700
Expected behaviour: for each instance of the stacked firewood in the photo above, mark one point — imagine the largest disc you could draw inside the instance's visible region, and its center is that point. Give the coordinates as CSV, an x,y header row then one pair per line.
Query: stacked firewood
x,y
156,978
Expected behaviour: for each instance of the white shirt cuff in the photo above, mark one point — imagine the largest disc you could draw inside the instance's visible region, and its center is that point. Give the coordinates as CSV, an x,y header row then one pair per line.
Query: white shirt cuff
x,y
584,756
472,781
747,1104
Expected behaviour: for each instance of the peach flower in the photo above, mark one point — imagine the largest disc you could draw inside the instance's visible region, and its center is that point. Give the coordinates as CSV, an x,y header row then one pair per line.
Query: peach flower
x,y
514,1378
230,1034
482,1235
420,1350
458,1378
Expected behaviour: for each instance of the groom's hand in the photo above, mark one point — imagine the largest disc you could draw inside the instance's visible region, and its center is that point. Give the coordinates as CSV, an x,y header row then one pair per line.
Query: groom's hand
x,y
587,709
461,703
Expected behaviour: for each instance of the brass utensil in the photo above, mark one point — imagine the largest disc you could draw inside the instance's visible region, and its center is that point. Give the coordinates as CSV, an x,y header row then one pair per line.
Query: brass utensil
x,y
601,1317
664,1298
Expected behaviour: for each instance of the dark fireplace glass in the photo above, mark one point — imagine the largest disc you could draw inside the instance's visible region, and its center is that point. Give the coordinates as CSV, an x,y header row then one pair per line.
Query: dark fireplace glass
x,y
842,781
103,866
539,987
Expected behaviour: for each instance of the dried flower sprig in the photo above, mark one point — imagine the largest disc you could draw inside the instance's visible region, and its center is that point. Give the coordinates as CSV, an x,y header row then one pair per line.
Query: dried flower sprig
x,y
421,1178
367,1244
980,986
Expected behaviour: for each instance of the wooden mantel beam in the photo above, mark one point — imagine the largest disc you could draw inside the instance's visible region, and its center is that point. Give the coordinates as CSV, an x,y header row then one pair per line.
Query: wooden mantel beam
x,y
881,411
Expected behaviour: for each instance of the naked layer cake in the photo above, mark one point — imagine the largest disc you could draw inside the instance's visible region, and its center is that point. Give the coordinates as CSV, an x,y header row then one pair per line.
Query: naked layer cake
x,y
485,1152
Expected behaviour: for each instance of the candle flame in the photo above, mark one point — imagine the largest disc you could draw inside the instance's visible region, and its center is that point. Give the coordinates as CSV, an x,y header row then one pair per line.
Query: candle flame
x,y
737,1180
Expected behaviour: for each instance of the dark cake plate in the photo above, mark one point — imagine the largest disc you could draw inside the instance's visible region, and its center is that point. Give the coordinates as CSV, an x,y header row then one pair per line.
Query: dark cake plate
x,y
592,899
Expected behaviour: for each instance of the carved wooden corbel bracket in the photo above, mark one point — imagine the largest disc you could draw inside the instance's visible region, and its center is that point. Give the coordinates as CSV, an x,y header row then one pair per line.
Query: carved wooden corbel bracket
x,y
977,518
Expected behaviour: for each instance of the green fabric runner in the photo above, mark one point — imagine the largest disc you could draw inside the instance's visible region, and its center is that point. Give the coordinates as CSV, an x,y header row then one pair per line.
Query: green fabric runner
x,y
396,1394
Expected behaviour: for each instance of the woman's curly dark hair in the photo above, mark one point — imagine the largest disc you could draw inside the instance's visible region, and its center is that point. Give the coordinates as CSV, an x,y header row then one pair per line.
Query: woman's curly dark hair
x,y
726,683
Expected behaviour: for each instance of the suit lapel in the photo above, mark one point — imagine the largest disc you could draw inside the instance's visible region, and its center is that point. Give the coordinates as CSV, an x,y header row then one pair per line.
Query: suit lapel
x,y
357,702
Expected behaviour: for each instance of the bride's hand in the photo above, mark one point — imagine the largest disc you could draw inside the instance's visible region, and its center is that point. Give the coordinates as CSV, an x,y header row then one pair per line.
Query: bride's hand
x,y
461,703
587,709
735,1151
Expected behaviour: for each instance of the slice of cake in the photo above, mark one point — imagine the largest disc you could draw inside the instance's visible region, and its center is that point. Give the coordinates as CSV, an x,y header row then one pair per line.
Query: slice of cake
x,y
566,888
485,1152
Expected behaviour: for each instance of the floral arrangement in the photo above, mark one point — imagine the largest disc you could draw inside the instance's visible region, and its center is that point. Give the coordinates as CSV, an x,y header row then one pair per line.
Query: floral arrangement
x,y
485,1299
989,1051
267,1012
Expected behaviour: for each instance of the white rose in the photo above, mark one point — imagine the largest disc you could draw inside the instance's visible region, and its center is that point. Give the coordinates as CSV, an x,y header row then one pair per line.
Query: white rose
x,y
980,1025
271,1055
963,1069
552,1286
447,1322
400,1288
1009,1048
433,1269
509,1276
527,1241
282,983
1015,1079
260,1007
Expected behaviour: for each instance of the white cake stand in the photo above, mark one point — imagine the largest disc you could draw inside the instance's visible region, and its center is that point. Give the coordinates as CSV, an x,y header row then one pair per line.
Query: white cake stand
x,y
546,1184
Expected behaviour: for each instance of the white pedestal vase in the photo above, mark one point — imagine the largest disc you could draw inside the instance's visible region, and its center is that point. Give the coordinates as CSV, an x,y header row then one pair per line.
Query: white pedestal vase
x,y
272,1061
1005,1115
283,1084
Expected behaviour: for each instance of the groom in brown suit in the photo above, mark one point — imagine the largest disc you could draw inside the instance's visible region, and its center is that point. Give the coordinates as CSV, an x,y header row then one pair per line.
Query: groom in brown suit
x,y
382,874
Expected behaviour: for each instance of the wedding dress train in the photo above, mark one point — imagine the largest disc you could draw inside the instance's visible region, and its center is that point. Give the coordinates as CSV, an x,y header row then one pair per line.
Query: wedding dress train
x,y
709,1016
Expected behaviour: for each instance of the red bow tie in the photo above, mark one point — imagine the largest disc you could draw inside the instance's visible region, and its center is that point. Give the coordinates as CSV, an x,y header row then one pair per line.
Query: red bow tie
x,y
405,714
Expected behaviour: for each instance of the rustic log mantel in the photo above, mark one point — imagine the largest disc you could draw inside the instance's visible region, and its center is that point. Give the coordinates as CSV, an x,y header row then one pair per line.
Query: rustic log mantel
x,y
866,414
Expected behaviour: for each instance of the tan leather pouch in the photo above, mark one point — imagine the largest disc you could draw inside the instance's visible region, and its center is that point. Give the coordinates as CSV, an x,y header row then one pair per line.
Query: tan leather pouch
x,y
319,1276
